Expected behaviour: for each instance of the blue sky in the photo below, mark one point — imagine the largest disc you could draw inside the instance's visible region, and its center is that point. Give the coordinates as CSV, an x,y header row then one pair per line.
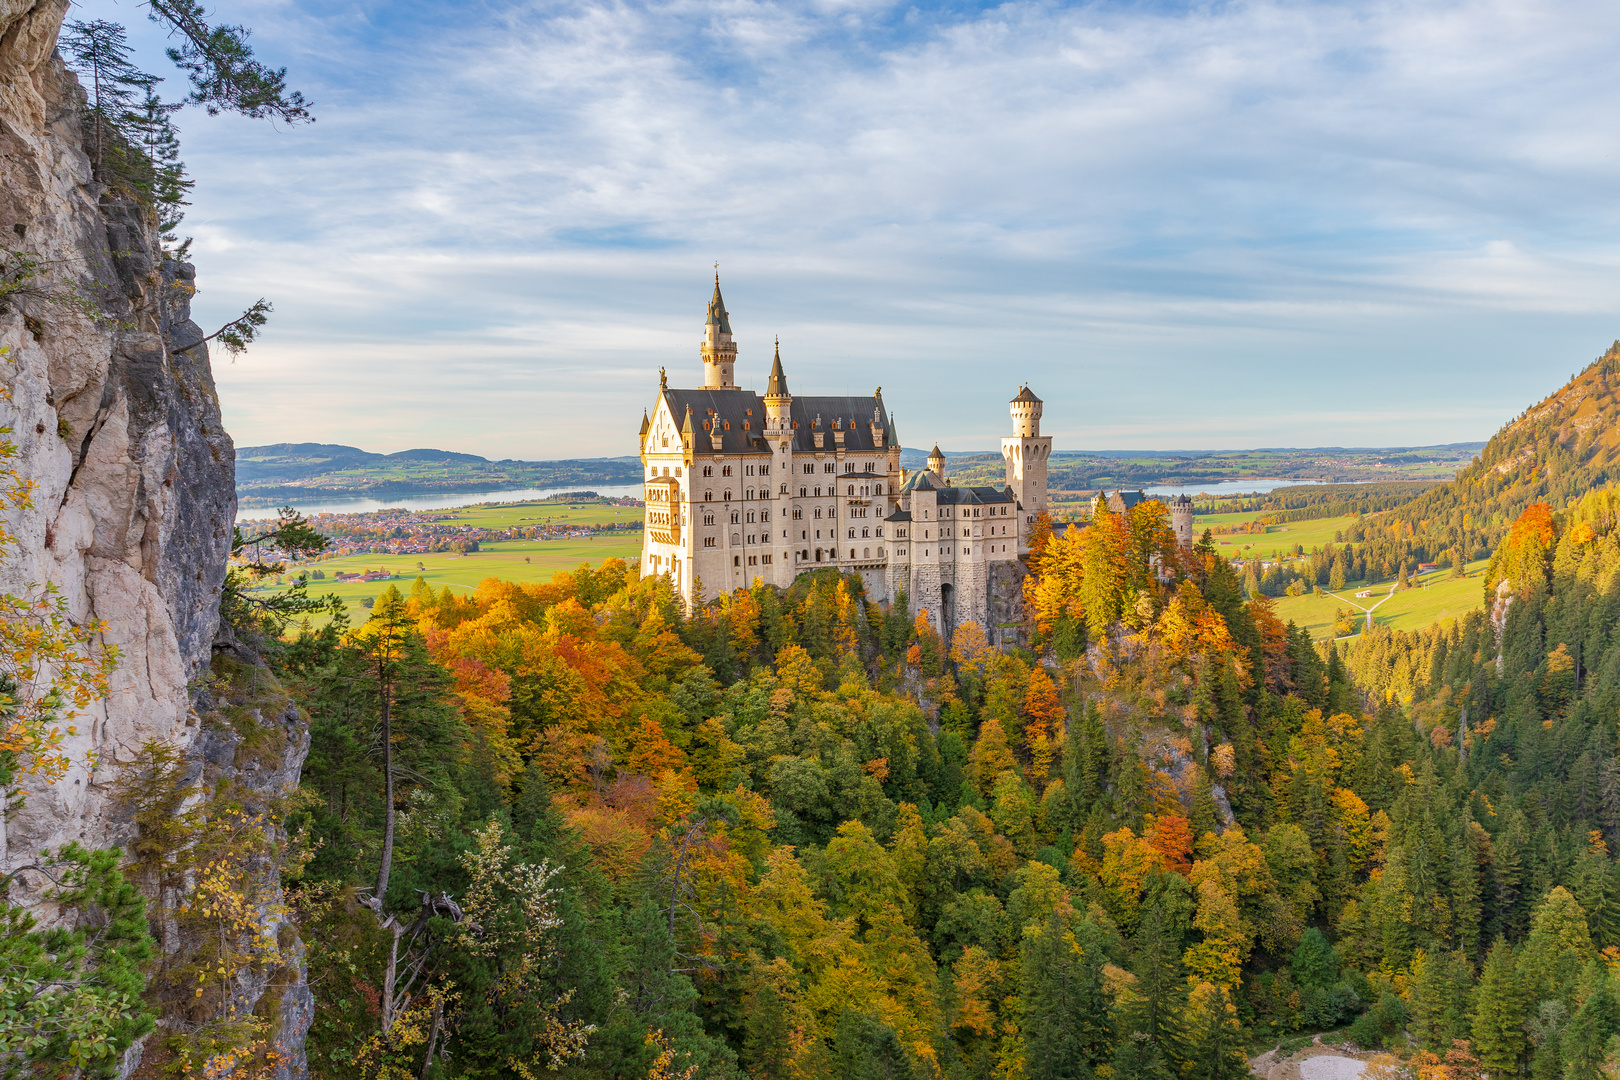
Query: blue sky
x,y
1204,225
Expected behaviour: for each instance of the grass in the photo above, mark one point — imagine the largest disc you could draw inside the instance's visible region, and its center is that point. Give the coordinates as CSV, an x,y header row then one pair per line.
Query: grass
x,y
511,560
530,514
1276,539
1438,596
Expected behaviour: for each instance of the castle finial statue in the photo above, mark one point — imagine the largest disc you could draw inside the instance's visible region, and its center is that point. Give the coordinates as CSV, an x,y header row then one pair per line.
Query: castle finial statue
x,y
663,380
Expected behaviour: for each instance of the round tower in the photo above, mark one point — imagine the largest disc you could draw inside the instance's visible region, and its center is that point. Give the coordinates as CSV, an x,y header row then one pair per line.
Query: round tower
x,y
719,351
1181,519
1026,413
936,462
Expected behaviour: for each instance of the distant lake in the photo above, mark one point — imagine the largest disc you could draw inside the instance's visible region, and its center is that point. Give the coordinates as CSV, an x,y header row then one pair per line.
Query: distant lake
x,y
1223,487
444,501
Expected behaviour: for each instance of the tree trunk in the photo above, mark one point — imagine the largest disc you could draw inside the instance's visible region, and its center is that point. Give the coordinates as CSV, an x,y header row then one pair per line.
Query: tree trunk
x,y
433,1038
388,789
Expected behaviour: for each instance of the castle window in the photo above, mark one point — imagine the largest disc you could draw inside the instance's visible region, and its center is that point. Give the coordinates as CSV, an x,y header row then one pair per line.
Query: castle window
x,y
803,492
708,541
708,496
797,513
764,470
677,470
734,517
852,489
849,466
868,466
750,517
748,470
764,515
708,470
818,512
809,468
829,467
879,530
736,560
708,519
725,470
749,494
866,553
852,536
877,489
865,532
818,493
728,495
852,553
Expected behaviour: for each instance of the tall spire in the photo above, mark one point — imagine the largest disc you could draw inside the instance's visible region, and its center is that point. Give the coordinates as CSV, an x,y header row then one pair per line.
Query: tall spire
x,y
719,351
718,315
777,386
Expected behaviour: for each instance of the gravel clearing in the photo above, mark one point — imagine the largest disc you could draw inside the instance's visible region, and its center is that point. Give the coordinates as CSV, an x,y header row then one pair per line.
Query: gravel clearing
x,y
1331,1067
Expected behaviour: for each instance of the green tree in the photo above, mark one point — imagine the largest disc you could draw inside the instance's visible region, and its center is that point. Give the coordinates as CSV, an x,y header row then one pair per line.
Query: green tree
x,y
1066,1034
1214,1040
1500,1011
71,995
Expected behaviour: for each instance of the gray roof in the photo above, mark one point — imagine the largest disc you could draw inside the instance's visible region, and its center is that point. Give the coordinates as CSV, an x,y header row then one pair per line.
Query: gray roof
x,y
924,480
718,315
777,386
1026,394
853,415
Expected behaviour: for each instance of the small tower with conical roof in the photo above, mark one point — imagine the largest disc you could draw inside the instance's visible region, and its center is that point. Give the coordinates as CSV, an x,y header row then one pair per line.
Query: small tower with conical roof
x,y
778,402
1025,454
936,462
719,351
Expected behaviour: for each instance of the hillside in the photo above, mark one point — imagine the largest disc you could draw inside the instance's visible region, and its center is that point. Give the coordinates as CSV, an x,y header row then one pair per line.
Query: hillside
x,y
289,472
1554,452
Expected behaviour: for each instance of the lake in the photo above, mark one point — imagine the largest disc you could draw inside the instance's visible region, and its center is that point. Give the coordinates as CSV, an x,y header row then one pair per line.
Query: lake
x,y
1224,487
442,501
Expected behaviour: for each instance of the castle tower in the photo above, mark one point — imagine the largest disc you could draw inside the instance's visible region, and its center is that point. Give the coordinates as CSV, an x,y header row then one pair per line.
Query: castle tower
x,y
719,352
1026,453
778,402
936,462
1181,519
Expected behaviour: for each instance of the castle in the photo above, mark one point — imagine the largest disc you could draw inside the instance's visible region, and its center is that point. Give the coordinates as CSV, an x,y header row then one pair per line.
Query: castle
x,y
742,486
1180,507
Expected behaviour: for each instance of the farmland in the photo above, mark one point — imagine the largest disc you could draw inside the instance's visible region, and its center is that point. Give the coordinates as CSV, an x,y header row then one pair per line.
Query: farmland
x,y
1435,596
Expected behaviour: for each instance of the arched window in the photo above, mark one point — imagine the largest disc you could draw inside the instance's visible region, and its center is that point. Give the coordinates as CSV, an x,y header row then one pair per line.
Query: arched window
x,y
797,513
804,492
728,495
877,489
852,536
708,496
818,513
725,470
866,532
734,516
866,553
852,489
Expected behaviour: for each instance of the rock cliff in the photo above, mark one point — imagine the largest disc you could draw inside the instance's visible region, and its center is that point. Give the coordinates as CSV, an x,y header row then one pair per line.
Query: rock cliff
x,y
111,403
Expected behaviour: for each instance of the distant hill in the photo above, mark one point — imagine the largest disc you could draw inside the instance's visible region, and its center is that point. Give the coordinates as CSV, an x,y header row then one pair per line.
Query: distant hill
x,y
294,472
1553,452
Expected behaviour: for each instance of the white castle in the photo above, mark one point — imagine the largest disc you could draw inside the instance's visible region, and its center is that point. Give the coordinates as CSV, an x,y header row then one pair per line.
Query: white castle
x,y
741,487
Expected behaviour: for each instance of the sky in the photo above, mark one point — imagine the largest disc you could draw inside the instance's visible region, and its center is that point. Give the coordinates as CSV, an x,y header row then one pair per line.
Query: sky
x,y
1185,226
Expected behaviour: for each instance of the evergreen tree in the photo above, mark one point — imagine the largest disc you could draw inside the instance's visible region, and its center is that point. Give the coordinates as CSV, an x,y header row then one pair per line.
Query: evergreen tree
x,y
1499,1013
1214,1039
1065,1029
98,51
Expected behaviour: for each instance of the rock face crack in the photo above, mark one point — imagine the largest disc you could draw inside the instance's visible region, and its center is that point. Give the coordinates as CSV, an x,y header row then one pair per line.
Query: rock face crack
x,y
132,509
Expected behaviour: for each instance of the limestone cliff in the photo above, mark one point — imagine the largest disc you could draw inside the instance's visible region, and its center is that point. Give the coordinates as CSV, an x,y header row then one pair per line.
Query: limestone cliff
x,y
112,406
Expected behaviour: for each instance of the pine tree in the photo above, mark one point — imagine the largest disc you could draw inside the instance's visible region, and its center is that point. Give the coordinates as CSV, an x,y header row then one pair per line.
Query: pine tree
x,y
1150,1026
1499,1013
99,52
1214,1040
1065,1030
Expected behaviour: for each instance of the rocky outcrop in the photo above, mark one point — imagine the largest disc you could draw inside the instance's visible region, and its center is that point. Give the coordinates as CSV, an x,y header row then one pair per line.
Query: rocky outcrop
x,y
111,404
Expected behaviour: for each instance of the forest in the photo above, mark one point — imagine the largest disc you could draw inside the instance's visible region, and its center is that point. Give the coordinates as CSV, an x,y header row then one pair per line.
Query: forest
x,y
798,833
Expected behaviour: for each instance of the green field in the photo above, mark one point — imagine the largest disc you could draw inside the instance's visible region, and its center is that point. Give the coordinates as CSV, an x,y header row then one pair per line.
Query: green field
x,y
1277,538
512,560
1437,596
529,514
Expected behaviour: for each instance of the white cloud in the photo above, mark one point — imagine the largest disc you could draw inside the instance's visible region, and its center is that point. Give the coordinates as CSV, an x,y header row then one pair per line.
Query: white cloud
x,y
1253,223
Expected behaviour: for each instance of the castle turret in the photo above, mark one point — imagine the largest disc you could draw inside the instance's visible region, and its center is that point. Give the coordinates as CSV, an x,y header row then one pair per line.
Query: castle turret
x,y
1181,519
719,352
936,462
778,402
1025,454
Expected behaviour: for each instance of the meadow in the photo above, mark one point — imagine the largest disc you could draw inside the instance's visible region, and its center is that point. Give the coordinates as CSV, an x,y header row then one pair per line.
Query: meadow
x,y
512,560
1435,596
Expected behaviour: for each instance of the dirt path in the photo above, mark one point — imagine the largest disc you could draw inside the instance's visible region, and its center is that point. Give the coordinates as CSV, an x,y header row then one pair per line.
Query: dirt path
x,y
1314,1062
